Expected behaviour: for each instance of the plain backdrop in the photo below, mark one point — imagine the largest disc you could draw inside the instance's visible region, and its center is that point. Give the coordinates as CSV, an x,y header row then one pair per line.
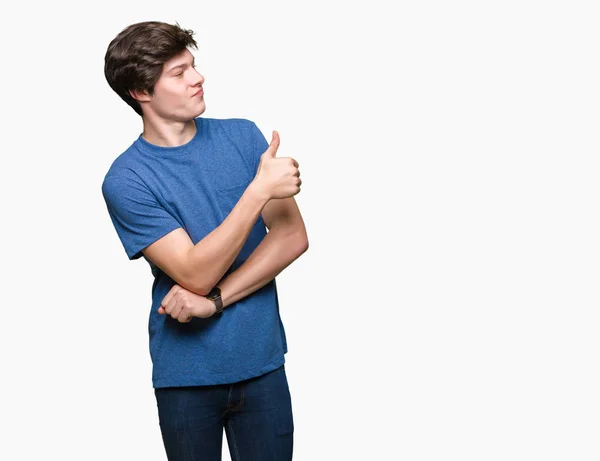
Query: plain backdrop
x,y
448,305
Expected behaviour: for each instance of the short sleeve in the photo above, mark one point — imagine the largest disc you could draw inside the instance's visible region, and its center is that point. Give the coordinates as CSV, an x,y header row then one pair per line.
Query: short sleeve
x,y
135,213
259,145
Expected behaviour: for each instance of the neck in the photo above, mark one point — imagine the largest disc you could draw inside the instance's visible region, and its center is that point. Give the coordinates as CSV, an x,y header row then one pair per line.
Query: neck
x,y
168,133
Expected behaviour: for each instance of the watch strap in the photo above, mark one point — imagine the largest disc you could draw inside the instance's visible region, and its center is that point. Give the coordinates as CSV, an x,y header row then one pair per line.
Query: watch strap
x,y
215,296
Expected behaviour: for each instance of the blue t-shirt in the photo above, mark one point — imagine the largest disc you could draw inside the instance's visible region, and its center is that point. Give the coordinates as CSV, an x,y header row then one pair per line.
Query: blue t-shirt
x,y
151,190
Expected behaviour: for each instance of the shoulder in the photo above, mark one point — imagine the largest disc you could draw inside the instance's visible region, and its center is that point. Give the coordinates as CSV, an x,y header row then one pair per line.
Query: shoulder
x,y
125,166
231,127
232,122
121,161
121,180
120,173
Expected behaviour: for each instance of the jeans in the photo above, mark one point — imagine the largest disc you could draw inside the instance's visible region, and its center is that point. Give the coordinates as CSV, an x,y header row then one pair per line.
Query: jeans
x,y
256,414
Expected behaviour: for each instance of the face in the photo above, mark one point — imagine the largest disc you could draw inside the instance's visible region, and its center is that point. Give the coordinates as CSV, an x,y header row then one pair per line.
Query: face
x,y
176,94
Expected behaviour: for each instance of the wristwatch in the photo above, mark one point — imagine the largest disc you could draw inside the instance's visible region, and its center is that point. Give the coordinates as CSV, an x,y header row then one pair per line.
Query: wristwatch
x,y
215,296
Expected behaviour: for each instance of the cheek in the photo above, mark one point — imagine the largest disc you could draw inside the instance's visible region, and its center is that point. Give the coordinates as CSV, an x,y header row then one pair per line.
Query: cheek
x,y
178,94
166,93
171,96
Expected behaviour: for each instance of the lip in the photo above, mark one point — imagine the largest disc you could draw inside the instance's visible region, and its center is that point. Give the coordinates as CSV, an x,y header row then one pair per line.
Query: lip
x,y
199,92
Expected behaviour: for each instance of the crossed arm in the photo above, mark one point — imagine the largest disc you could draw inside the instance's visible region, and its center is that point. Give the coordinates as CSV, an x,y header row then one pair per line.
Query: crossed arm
x,y
283,244
199,267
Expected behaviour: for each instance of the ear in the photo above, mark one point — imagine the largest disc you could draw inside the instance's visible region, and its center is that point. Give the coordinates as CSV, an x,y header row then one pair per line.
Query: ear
x,y
139,95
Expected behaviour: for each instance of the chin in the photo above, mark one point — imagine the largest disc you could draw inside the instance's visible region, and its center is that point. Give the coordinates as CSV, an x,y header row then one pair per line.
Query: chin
x,y
200,110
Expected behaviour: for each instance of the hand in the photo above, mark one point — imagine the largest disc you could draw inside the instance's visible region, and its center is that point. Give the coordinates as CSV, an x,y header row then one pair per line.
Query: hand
x,y
277,177
182,305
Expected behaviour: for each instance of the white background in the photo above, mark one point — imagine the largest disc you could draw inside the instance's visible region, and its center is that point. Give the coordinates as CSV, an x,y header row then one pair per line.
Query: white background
x,y
448,305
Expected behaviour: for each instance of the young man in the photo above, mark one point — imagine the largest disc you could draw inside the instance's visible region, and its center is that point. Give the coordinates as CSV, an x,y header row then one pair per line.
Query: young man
x,y
195,196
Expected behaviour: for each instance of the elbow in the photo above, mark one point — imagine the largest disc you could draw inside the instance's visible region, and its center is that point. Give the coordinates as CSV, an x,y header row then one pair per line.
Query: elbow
x,y
294,239
201,288
194,280
301,242
195,284
304,246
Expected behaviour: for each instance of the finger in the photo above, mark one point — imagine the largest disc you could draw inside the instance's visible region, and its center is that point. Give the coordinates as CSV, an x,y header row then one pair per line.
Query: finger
x,y
171,305
174,289
292,160
176,311
182,303
161,310
179,304
184,316
272,149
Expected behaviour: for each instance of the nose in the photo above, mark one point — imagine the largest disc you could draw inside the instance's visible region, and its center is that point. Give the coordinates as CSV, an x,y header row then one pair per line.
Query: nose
x,y
199,79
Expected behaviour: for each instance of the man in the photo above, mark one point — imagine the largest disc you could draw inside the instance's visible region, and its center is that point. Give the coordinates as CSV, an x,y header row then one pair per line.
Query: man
x,y
195,196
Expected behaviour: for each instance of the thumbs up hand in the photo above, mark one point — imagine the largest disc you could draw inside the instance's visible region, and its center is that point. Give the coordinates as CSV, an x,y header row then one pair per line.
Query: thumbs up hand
x,y
277,177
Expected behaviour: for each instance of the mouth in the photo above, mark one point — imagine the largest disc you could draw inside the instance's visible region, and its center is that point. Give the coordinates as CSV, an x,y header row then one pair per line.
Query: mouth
x,y
200,92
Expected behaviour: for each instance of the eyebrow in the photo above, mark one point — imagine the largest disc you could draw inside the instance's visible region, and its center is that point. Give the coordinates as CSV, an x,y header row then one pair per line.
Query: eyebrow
x,y
180,65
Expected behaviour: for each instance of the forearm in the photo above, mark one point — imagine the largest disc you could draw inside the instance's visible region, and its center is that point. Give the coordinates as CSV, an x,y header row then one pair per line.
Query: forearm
x,y
210,258
278,249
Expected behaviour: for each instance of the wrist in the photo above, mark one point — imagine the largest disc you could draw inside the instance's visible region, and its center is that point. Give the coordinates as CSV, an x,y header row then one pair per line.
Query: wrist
x,y
257,192
215,297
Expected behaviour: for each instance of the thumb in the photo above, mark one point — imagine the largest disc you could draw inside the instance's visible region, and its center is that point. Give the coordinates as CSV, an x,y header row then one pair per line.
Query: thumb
x,y
272,149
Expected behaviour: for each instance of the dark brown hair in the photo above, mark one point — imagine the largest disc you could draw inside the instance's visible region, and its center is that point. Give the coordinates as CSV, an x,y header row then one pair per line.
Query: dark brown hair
x,y
135,57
